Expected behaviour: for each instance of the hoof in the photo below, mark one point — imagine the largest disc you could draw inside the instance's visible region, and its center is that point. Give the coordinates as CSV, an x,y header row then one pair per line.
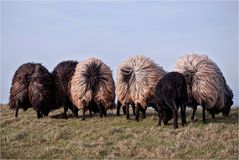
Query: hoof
x,y
175,127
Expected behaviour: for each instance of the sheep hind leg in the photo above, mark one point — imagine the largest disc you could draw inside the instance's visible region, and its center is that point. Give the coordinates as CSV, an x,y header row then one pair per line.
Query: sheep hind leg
x,y
39,114
83,111
193,113
160,115
90,113
17,108
175,116
104,111
213,115
100,109
118,108
133,107
127,111
124,110
143,111
203,114
75,110
65,111
183,115
137,111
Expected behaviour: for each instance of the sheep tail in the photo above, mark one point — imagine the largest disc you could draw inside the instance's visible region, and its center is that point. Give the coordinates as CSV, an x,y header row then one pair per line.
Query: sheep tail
x,y
93,76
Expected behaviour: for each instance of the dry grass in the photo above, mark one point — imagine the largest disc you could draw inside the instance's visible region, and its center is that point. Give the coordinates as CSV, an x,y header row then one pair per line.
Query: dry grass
x,y
27,137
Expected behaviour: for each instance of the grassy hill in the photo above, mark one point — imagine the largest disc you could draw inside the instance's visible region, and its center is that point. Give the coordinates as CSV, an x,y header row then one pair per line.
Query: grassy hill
x,y
27,137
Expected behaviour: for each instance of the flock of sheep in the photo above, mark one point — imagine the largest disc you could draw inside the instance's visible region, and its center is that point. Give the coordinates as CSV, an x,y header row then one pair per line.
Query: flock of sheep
x,y
140,83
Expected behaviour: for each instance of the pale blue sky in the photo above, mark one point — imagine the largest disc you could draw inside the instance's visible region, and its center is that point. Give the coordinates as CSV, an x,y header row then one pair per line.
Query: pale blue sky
x,y
49,32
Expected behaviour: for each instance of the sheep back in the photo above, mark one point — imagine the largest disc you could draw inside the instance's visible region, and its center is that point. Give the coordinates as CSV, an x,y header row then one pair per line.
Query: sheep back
x,y
172,88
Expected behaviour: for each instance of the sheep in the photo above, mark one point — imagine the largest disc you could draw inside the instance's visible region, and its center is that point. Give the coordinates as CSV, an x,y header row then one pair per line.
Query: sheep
x,y
31,87
171,94
62,75
206,85
92,83
135,83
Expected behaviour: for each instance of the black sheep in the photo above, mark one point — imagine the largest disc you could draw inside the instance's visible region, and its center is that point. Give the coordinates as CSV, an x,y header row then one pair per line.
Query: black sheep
x,y
31,87
62,75
171,94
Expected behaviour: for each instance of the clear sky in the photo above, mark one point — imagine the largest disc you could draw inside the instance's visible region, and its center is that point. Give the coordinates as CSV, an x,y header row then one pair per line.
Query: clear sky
x,y
50,32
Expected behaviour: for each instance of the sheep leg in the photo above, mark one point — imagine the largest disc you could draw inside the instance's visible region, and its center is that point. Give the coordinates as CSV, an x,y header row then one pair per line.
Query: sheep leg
x,y
203,114
160,115
17,108
127,111
75,110
83,111
45,114
213,115
39,115
124,110
175,116
183,115
194,111
137,111
175,119
118,108
143,112
65,111
90,113
100,109
133,107
103,110
165,118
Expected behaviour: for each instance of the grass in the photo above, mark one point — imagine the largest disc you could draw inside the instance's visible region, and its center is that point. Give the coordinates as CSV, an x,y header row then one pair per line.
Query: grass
x,y
27,137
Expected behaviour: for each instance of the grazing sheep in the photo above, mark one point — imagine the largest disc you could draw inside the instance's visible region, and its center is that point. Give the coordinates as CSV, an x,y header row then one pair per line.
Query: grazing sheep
x,y
62,75
31,87
136,81
92,83
171,94
206,85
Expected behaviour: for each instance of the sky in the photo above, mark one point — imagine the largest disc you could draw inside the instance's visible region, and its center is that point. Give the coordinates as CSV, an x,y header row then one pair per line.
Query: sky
x,y
50,32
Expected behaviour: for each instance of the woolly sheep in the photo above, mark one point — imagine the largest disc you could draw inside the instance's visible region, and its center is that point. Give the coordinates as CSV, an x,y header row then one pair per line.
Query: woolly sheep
x,y
62,75
136,81
206,84
171,94
93,82
31,87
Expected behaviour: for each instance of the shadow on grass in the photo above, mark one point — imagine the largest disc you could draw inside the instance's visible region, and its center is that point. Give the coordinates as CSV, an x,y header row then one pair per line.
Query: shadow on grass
x,y
231,119
70,116
61,116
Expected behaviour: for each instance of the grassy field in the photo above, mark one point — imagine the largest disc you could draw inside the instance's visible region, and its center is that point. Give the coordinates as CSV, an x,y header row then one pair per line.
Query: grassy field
x,y
27,137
